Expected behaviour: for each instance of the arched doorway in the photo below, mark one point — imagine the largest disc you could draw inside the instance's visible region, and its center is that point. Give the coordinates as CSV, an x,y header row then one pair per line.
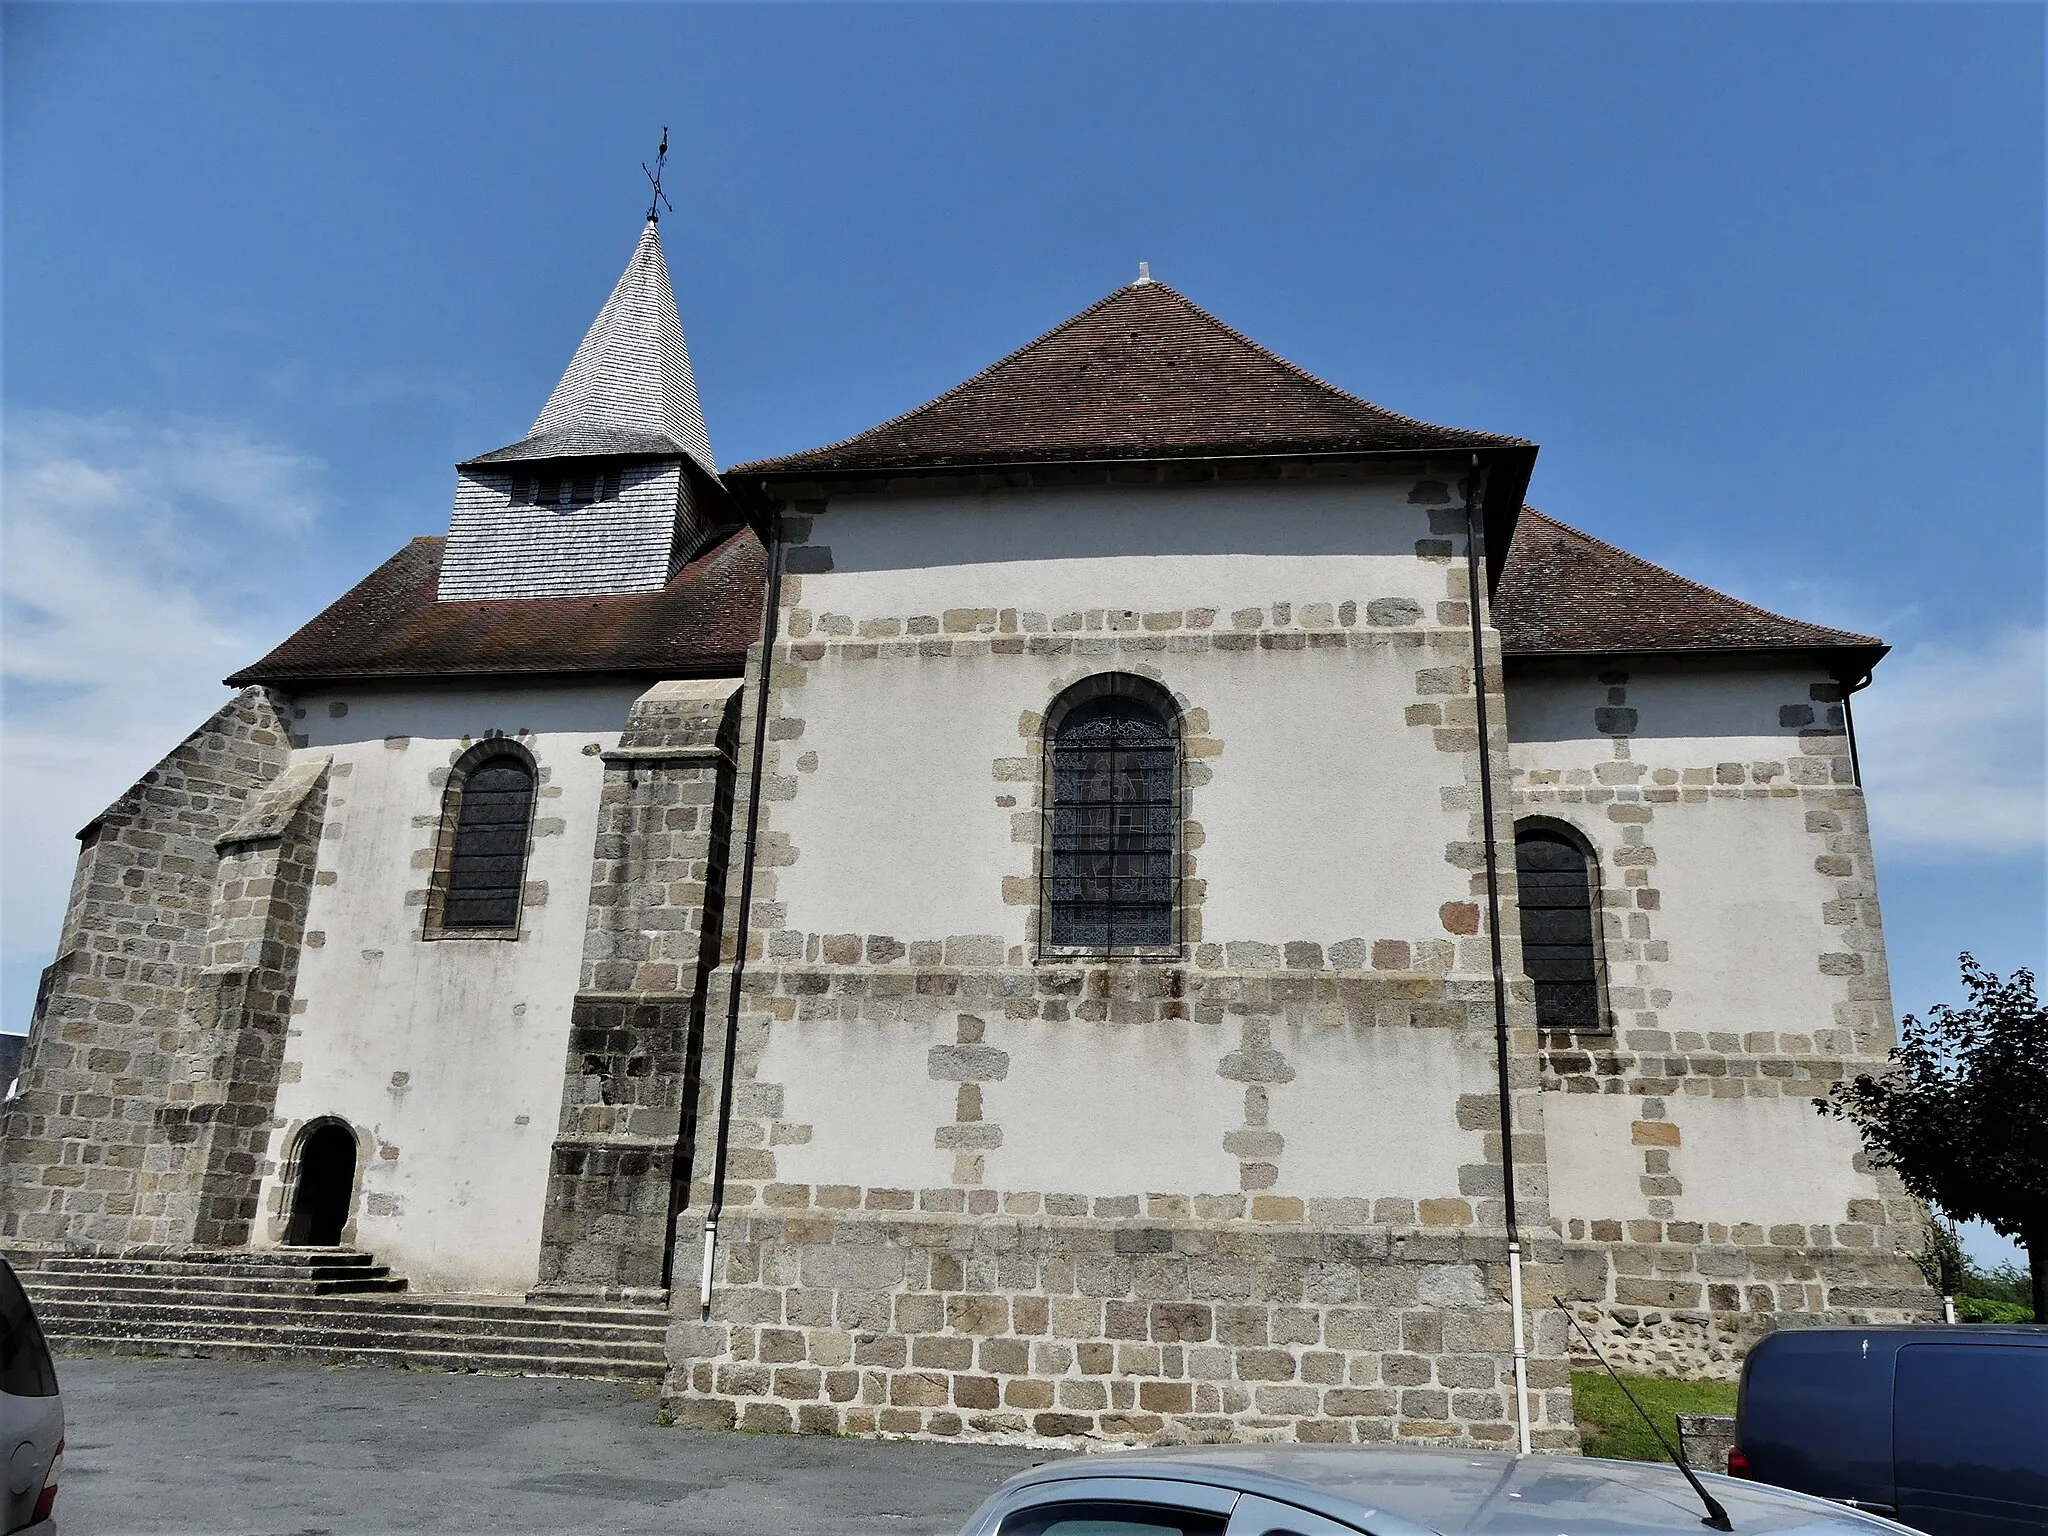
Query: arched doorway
x,y
325,1187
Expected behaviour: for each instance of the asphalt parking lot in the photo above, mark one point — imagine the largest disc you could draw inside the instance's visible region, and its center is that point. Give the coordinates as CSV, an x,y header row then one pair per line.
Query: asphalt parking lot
x,y
228,1448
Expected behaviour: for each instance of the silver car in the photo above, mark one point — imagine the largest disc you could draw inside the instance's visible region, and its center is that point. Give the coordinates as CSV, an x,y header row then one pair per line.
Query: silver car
x,y
1314,1490
31,1417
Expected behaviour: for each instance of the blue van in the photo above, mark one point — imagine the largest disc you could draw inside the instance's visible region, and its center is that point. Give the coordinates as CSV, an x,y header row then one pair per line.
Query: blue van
x,y
1944,1429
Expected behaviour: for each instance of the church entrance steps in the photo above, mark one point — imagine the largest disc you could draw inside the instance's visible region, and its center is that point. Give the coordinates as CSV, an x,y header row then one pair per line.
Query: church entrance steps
x,y
264,1307
322,1272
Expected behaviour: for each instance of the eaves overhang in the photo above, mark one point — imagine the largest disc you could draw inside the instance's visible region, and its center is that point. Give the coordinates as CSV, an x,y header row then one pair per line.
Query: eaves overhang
x,y
1505,471
1851,665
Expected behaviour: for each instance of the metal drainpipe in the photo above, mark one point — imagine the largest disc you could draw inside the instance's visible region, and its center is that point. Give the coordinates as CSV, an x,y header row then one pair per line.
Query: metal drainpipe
x,y
770,622
1849,691
1474,553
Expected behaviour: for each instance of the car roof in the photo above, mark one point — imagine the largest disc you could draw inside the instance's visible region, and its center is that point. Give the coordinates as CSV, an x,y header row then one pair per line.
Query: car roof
x,y
1470,1493
1890,1337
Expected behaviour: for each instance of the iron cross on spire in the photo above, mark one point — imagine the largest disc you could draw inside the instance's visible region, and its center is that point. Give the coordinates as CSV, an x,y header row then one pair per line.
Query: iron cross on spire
x,y
660,199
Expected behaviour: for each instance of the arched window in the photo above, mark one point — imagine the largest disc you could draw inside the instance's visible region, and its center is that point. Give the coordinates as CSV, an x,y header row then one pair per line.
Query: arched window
x,y
481,867
1559,887
1112,796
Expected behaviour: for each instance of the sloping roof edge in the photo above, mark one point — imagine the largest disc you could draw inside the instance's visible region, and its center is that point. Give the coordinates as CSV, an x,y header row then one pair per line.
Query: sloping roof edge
x,y
822,458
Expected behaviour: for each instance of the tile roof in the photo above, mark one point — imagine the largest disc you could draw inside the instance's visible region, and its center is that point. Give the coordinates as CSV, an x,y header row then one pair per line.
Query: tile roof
x,y
1142,374
1564,592
390,626
629,389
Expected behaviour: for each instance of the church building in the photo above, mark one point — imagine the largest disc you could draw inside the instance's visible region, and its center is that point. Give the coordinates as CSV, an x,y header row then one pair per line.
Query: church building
x,y
1028,922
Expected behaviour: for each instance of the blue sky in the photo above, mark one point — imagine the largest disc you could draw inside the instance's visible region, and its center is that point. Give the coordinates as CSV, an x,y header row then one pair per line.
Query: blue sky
x,y
1764,281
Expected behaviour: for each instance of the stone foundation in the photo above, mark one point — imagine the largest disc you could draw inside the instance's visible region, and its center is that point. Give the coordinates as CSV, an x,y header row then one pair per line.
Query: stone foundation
x,y
1087,1329
1674,1304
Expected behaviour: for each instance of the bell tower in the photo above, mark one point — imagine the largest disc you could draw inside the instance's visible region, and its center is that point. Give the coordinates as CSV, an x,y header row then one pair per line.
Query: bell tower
x,y
615,486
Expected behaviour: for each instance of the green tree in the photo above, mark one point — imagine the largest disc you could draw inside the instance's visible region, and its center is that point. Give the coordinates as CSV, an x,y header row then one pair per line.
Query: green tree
x,y
1962,1112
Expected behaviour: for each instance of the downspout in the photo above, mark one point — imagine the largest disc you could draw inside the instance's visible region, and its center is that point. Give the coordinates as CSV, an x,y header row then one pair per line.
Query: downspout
x,y
1474,553
770,623
1849,690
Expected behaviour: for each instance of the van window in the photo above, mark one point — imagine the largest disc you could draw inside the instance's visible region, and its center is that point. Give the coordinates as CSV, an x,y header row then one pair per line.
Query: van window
x,y
25,1366
1970,1436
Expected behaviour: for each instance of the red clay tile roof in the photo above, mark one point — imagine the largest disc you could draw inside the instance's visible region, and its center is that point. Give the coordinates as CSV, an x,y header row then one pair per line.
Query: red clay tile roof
x,y
390,626
1564,591
1143,374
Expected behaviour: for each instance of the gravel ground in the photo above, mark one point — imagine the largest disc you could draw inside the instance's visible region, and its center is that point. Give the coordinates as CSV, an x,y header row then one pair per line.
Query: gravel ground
x,y
229,1448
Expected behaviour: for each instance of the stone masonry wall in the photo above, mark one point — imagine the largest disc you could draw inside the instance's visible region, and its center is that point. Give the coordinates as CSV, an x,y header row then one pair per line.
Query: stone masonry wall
x,y
996,1312
218,1122
84,1146
949,1316
1087,1304
656,906
1662,1291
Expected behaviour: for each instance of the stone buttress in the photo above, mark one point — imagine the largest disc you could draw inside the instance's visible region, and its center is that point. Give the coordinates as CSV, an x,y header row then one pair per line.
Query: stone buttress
x,y
152,1064
656,906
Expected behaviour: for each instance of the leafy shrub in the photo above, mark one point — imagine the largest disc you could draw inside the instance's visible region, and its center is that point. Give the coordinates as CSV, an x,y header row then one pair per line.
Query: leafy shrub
x,y
1978,1309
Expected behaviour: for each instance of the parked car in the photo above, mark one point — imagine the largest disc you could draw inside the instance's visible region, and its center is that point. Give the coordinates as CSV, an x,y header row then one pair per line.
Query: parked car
x,y
1331,1490
31,1416
1945,1429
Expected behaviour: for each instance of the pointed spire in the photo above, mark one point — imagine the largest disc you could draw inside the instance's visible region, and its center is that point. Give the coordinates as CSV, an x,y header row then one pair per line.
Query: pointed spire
x,y
629,388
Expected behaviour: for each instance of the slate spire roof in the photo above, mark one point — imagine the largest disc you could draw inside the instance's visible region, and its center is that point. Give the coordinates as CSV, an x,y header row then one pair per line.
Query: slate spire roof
x,y
629,389
1564,592
1141,374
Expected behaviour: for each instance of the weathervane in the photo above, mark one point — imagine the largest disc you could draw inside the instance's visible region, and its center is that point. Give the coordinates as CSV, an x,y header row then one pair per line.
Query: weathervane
x,y
654,180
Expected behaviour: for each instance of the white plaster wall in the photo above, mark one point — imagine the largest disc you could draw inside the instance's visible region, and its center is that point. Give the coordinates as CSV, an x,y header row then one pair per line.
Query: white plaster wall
x,y
1684,719
1741,925
1323,818
1219,547
448,1054
1105,1109
1742,914
864,1090
1596,1173
1763,1161
1350,1116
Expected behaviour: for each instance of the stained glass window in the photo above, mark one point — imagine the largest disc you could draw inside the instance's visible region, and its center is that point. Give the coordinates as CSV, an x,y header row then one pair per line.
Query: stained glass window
x,y
487,867
1114,808
1555,879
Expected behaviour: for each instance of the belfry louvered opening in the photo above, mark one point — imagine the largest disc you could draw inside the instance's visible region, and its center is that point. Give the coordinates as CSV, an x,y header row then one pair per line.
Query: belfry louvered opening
x,y
1558,881
1112,794
565,487
480,876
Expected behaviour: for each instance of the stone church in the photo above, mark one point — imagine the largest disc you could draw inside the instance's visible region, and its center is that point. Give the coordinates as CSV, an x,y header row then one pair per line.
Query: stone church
x,y
1026,922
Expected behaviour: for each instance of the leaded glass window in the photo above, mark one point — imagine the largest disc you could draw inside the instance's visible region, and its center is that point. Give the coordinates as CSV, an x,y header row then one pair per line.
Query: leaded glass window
x,y
487,865
1555,878
1114,814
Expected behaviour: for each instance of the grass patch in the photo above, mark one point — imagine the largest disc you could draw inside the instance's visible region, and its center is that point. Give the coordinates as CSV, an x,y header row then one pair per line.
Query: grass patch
x,y
1610,1428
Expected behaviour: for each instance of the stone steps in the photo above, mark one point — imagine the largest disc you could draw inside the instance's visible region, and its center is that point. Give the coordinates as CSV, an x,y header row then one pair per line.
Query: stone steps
x,y
144,1275
267,1306
410,1357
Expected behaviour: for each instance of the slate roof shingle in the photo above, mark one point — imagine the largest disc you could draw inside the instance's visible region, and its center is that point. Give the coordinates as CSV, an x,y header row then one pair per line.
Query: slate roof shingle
x,y
1566,592
1141,374
390,626
629,388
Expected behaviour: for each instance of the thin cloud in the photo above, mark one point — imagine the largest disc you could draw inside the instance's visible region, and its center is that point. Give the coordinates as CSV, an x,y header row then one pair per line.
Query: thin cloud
x,y
141,565
1951,735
